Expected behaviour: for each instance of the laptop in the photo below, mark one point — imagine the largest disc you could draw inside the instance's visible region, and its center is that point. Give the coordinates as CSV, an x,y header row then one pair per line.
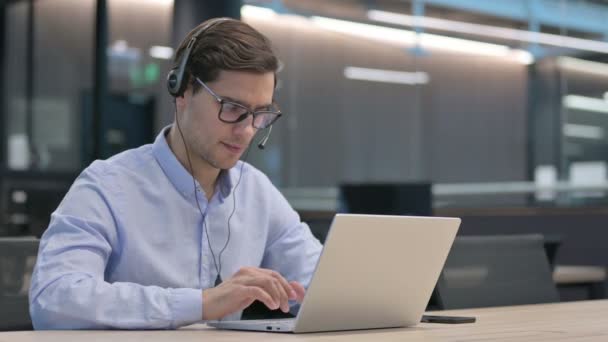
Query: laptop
x,y
375,271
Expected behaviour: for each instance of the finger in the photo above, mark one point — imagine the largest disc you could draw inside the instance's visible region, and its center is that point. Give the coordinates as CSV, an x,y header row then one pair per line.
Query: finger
x,y
284,296
272,282
281,295
291,294
283,287
283,300
299,290
266,283
258,293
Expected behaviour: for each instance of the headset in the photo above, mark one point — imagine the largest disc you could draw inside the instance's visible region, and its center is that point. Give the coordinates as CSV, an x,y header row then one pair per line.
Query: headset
x,y
176,87
175,79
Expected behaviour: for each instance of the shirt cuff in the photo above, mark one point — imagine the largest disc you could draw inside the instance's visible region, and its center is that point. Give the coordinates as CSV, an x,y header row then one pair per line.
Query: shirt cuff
x,y
186,306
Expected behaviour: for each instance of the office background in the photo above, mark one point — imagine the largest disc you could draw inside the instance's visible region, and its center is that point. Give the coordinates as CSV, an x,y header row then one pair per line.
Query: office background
x,y
499,107
482,109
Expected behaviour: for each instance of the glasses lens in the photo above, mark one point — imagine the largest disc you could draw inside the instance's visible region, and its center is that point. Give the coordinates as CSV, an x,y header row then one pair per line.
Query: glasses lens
x,y
232,112
264,119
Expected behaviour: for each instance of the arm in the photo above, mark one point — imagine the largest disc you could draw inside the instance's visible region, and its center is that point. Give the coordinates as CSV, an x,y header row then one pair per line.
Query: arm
x,y
290,257
68,289
292,250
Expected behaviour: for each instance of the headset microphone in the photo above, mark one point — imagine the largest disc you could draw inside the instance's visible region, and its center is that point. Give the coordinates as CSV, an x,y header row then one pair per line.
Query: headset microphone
x,y
262,143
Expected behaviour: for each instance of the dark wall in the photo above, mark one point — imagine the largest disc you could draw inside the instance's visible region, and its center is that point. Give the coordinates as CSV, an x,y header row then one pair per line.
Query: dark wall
x,y
187,14
467,124
545,121
63,68
583,235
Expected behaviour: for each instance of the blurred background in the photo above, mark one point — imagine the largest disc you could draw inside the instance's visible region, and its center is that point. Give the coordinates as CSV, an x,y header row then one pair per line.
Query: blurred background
x,y
493,111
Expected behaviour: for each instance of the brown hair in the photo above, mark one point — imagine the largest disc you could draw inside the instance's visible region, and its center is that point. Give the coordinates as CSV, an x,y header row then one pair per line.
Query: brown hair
x,y
227,45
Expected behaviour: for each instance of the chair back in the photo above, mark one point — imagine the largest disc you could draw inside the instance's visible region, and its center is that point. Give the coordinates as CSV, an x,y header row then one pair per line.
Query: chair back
x,y
483,271
17,261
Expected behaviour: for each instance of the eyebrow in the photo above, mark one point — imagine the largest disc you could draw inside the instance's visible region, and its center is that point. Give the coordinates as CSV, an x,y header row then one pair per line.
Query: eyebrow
x,y
243,103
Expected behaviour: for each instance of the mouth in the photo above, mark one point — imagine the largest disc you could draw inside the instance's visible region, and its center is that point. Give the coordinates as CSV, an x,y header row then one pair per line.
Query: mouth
x,y
233,148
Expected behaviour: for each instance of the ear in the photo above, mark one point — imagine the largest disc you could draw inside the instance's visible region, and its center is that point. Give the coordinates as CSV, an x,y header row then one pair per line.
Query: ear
x,y
180,102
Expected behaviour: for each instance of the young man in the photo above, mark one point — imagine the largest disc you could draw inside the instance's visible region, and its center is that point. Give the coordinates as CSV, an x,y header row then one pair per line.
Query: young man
x,y
181,231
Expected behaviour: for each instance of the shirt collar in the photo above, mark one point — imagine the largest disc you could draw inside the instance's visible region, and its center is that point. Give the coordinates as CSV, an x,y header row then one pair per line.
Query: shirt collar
x,y
180,177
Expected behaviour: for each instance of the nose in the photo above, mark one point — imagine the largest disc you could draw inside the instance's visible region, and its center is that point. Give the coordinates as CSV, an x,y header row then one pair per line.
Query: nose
x,y
245,127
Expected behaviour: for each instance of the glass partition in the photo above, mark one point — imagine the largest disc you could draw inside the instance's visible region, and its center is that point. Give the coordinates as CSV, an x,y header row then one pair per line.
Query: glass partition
x,y
495,104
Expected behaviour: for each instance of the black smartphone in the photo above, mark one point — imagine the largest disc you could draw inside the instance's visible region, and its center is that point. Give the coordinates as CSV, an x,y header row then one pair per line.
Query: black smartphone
x,y
447,319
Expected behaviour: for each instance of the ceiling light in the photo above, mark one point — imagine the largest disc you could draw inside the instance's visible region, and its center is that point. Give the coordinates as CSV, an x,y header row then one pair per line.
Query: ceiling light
x,y
584,103
583,131
386,76
489,31
400,36
582,65
257,12
161,52
405,37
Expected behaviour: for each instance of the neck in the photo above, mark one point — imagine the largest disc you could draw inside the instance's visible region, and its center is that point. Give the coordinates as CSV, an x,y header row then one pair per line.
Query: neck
x,y
203,172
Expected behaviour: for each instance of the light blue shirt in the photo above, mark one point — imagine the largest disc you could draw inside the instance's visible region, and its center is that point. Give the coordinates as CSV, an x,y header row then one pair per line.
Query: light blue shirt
x,y
126,247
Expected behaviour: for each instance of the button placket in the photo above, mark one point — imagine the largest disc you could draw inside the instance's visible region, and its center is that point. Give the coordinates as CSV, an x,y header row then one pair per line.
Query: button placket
x,y
205,255
206,259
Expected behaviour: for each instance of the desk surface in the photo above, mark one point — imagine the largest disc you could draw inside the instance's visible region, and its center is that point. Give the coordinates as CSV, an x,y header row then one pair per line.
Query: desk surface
x,y
574,321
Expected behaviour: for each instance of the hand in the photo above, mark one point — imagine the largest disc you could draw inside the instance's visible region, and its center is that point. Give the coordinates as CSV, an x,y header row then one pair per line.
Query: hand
x,y
246,286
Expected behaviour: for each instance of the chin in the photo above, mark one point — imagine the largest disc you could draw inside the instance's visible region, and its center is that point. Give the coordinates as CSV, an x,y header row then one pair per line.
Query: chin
x,y
221,161
228,163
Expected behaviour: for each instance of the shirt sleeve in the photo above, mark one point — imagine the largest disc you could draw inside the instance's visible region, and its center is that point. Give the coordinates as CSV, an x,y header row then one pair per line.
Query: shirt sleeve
x,y
291,250
68,289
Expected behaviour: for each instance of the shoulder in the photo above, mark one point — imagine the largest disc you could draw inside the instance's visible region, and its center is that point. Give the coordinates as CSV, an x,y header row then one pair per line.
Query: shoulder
x,y
105,183
257,187
133,162
249,174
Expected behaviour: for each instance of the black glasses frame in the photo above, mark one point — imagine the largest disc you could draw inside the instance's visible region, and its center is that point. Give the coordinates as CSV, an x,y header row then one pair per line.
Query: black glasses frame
x,y
277,114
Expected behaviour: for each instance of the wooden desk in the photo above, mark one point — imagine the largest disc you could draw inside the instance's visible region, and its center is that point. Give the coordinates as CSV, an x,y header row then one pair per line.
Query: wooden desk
x,y
574,321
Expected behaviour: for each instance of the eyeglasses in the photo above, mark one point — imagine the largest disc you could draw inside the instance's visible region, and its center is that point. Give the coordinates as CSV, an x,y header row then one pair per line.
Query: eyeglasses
x,y
232,112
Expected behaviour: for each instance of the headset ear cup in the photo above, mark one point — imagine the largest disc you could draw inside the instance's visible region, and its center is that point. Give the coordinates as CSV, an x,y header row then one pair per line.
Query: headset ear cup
x,y
172,83
175,83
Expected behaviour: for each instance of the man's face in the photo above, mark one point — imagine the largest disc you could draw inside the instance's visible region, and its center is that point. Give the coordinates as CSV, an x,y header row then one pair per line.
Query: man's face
x,y
212,141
